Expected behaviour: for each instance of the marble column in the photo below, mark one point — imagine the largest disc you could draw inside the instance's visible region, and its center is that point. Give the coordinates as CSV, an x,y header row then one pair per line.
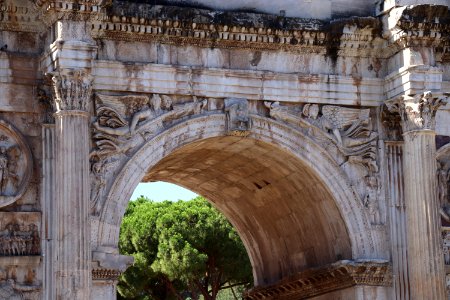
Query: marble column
x,y
73,254
425,257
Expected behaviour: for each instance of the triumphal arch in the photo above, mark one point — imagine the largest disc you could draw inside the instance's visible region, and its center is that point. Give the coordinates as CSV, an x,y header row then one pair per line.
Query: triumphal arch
x,y
320,128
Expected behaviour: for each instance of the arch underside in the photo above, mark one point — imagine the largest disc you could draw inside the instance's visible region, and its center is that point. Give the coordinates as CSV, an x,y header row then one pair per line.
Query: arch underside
x,y
282,211
289,202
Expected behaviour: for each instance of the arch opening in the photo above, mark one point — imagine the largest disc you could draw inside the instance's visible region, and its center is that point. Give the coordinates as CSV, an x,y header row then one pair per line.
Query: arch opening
x,y
288,199
284,214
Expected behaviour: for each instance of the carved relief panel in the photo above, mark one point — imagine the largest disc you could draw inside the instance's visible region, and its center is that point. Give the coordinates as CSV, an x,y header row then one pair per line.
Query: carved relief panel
x,y
15,164
19,234
20,258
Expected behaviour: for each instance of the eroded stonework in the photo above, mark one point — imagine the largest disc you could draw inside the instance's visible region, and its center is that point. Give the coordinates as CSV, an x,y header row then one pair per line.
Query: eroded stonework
x,y
312,126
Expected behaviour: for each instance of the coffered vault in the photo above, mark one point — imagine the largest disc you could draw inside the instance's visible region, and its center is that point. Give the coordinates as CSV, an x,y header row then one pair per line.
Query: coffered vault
x,y
314,127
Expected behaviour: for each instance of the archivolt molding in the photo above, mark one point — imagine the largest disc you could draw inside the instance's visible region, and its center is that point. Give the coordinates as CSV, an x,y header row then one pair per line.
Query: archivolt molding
x,y
132,133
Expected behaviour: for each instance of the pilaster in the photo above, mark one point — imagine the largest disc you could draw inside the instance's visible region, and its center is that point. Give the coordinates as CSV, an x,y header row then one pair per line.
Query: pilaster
x,y
48,205
425,257
397,216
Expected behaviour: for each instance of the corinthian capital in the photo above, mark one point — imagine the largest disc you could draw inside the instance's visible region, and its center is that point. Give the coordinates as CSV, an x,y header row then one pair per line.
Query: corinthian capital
x,y
72,89
418,112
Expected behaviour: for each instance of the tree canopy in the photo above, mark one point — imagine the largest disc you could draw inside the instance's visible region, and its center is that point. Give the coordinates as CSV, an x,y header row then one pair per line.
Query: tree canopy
x,y
181,249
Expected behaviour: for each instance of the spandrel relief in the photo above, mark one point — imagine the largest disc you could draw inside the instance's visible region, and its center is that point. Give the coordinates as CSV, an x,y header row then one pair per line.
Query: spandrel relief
x,y
347,135
122,124
347,128
15,164
120,119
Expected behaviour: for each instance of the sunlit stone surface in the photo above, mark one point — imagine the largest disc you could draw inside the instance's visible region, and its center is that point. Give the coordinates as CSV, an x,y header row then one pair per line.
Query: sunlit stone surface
x,y
320,128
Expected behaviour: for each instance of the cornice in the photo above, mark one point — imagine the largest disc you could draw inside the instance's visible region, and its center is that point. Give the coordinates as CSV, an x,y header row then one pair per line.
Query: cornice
x,y
351,37
77,10
418,26
19,16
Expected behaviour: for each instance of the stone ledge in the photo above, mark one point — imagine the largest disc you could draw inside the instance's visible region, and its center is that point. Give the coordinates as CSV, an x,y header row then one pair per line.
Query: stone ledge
x,y
322,280
32,260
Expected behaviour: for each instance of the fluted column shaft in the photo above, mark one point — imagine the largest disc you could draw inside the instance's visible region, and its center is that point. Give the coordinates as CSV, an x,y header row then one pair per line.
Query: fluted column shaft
x,y
426,265
72,205
72,89
424,251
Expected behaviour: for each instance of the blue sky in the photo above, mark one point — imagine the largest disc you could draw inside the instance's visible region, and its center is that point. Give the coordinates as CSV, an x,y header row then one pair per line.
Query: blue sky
x,y
160,191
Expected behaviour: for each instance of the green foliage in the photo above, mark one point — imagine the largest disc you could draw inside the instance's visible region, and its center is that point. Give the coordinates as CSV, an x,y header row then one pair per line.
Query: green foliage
x,y
181,249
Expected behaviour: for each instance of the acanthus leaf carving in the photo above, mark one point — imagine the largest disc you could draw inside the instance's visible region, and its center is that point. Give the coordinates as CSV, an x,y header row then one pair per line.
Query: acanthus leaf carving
x,y
418,112
392,124
72,89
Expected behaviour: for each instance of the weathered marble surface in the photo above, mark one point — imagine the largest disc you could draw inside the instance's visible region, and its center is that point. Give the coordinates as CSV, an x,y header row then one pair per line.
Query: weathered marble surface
x,y
280,121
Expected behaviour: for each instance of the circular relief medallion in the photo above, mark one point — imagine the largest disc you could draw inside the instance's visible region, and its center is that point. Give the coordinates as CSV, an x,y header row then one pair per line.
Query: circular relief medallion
x,y
15,164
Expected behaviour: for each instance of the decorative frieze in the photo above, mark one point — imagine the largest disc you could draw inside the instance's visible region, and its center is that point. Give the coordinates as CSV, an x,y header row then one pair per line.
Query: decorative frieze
x,y
72,89
105,274
340,275
19,15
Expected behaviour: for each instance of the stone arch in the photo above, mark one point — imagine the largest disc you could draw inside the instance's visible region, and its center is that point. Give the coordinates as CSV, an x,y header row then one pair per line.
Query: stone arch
x,y
340,214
